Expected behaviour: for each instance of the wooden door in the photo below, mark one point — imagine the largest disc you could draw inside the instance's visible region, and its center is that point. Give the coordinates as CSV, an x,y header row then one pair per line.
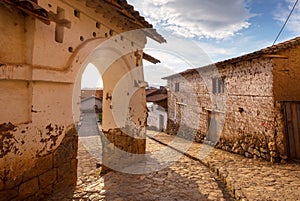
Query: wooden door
x,y
292,117
161,122
213,131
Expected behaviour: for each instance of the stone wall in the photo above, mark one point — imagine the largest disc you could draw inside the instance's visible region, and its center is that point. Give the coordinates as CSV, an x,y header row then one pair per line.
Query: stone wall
x,y
53,172
121,148
247,115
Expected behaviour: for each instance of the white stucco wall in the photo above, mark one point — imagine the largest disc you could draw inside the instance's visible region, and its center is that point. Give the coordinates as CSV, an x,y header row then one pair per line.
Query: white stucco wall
x,y
153,116
89,104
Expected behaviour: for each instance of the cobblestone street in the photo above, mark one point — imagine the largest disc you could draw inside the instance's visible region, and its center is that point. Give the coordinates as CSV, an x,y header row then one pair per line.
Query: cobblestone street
x,y
192,177
247,179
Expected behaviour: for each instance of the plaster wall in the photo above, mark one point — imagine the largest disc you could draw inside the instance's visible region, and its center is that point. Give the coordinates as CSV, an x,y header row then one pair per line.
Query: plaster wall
x,y
287,75
89,105
12,36
40,97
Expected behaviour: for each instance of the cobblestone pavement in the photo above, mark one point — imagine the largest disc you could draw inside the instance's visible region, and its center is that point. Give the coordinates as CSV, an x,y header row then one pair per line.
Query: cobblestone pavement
x,y
247,179
189,178
88,124
186,179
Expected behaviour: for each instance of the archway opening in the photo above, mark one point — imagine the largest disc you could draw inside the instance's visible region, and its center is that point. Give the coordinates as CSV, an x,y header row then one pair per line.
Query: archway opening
x,y
89,127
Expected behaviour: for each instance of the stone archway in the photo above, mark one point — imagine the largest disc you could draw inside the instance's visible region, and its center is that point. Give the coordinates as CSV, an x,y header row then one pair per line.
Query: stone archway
x,y
52,122
124,108
38,143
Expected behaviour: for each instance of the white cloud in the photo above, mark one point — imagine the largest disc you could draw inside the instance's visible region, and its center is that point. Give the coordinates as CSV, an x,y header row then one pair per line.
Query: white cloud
x,y
216,19
282,13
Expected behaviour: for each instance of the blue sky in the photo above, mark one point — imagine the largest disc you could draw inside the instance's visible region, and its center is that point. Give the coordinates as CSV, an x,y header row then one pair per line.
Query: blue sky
x,y
206,31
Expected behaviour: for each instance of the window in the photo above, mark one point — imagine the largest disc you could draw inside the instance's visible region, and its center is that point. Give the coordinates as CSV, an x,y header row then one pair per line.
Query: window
x,y
218,85
176,86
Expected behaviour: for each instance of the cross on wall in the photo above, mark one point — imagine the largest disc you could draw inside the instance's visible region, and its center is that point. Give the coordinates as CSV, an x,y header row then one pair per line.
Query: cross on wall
x,y
61,23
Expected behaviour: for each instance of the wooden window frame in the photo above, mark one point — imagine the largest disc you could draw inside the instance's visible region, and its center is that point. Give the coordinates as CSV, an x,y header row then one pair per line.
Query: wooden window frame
x,y
177,87
218,85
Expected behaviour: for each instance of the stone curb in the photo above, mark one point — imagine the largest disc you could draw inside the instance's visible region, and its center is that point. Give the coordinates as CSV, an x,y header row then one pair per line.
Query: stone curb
x,y
222,175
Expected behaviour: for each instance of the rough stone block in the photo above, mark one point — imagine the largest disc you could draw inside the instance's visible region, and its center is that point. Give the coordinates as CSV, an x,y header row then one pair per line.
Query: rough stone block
x,y
65,187
64,153
47,178
248,155
44,164
1,185
256,152
13,182
263,155
67,149
28,188
29,174
273,154
63,171
74,163
8,194
272,146
263,150
250,150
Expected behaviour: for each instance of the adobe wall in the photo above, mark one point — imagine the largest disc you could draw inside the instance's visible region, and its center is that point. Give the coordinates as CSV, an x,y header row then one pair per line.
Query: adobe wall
x,y
251,116
287,75
39,79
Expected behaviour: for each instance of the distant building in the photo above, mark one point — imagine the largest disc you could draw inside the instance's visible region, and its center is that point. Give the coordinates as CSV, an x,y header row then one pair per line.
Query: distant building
x,y
91,104
248,105
86,93
157,108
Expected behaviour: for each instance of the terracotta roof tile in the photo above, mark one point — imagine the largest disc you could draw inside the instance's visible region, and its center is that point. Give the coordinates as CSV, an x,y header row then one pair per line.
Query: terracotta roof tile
x,y
150,91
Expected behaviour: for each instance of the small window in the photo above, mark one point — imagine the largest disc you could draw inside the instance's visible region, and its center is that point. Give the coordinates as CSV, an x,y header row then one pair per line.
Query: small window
x,y
176,86
218,85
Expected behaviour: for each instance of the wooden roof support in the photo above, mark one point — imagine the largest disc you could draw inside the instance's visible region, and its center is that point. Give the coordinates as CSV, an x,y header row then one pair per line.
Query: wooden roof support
x,y
275,56
121,7
150,58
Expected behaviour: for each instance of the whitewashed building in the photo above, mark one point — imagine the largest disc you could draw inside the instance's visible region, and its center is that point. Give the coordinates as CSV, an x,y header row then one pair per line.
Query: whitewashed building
x,y
157,108
157,117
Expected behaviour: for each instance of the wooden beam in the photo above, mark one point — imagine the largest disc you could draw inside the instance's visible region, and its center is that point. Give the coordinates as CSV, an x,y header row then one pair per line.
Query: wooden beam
x,y
150,58
275,56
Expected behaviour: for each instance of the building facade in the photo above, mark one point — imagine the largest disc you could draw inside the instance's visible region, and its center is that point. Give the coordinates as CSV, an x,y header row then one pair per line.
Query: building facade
x,y
247,105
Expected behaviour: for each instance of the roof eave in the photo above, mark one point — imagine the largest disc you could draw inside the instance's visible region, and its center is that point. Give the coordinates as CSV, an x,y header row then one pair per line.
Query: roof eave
x,y
269,52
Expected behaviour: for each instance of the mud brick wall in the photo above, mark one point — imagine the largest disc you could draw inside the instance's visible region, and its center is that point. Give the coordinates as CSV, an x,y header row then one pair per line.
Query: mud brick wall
x,y
51,173
252,118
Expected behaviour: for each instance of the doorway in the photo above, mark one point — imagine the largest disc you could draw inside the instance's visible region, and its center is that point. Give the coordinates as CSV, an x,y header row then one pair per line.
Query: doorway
x,y
161,123
292,120
213,125
89,128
